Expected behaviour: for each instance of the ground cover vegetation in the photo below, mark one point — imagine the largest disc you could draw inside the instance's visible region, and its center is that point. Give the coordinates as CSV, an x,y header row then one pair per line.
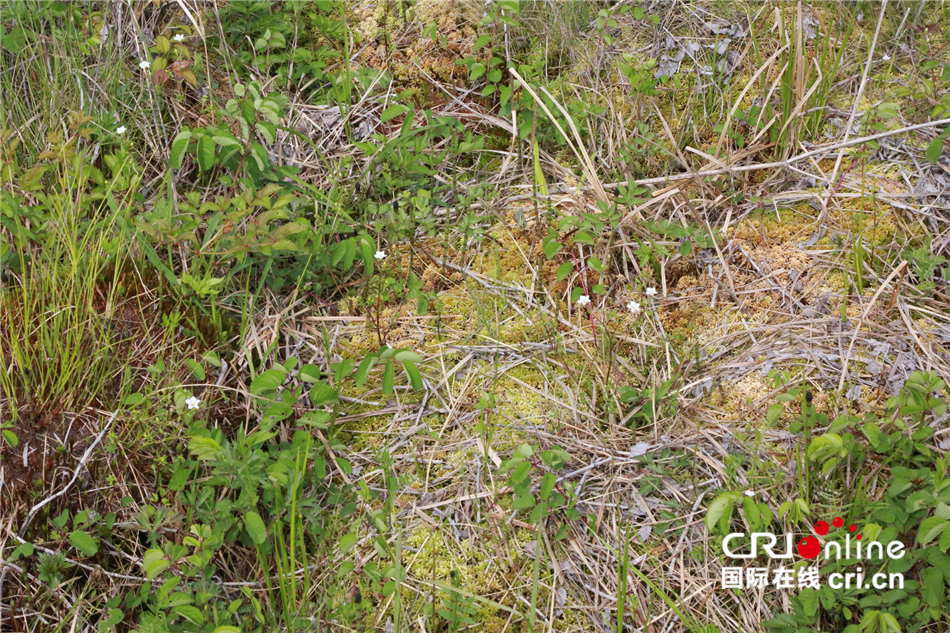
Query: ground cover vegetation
x,y
451,315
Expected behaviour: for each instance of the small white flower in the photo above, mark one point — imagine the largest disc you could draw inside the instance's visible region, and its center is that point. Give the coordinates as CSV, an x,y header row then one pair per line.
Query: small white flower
x,y
583,300
749,493
380,254
193,402
179,38
634,307
651,291
886,57
120,129
144,64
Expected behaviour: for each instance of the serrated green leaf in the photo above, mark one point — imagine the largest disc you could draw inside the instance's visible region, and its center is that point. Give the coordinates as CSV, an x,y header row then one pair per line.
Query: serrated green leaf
x,y
206,152
322,394
369,255
564,270
154,563
204,448
930,529
309,373
267,381
547,485
179,147
224,141
392,112
809,600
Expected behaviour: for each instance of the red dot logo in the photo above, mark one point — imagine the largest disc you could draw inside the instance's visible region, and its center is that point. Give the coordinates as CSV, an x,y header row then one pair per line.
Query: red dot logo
x,y
821,528
852,527
859,537
809,547
838,522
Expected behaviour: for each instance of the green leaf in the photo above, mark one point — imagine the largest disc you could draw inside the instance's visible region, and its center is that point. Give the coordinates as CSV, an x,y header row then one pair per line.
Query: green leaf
x,y
205,152
362,373
389,377
720,507
321,394
551,248
407,355
84,543
547,485
309,373
369,254
482,41
179,146
944,541
227,628
225,141
930,529
190,613
412,372
347,542
195,369
211,358
477,71
10,438
564,270
115,616
267,381
154,563
24,549
933,586
523,502
809,600
255,527
392,112
935,149
204,448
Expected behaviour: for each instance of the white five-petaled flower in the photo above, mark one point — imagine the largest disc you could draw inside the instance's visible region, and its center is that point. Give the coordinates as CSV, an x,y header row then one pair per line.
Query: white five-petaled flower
x,y
145,64
651,291
380,255
634,307
179,38
120,129
749,493
193,402
583,300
